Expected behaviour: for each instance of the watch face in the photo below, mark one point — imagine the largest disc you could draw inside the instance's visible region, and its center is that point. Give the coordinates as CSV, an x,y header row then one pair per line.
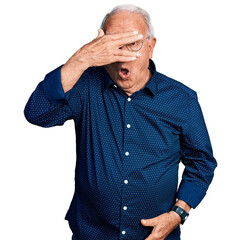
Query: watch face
x,y
182,213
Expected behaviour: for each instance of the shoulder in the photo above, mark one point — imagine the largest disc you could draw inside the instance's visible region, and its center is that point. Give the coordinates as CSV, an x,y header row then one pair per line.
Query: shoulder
x,y
167,83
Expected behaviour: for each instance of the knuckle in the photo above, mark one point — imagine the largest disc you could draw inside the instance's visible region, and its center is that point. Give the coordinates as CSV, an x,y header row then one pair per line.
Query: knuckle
x,y
103,40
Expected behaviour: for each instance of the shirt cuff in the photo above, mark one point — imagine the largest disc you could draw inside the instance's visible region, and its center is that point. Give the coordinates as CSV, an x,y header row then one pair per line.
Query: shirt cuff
x,y
53,87
190,193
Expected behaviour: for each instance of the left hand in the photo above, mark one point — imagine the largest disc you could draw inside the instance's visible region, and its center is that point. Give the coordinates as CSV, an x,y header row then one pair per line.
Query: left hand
x,y
163,225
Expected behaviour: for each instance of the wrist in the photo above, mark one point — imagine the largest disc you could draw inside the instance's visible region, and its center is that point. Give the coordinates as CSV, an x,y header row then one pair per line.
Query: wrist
x,y
71,71
76,65
181,212
183,205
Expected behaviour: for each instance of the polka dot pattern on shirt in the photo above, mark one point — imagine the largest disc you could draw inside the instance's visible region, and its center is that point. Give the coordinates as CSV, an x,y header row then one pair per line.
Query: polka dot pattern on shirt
x,y
128,150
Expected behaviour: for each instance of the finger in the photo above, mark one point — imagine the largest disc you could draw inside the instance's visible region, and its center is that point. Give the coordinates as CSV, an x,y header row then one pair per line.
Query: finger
x,y
150,237
100,33
153,235
126,53
115,36
148,222
121,42
123,59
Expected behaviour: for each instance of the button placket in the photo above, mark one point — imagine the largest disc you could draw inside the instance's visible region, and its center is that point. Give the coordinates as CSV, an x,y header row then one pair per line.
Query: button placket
x,y
126,162
127,122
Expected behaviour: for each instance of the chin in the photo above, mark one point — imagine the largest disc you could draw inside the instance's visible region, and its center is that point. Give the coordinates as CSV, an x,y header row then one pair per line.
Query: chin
x,y
127,83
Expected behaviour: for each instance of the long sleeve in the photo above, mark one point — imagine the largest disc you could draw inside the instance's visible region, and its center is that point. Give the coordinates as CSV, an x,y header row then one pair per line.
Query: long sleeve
x,y
48,105
197,156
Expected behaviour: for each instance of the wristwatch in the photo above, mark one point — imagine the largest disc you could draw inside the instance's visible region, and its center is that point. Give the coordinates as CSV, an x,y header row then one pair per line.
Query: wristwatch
x,y
181,212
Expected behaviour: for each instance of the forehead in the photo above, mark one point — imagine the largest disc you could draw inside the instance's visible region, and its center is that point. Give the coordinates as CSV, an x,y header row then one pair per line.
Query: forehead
x,y
124,21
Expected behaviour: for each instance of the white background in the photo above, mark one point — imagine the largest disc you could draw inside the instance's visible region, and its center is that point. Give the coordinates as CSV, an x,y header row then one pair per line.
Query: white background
x,y
198,43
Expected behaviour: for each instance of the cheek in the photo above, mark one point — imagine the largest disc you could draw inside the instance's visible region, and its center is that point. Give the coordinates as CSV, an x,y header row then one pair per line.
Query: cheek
x,y
111,67
143,61
146,54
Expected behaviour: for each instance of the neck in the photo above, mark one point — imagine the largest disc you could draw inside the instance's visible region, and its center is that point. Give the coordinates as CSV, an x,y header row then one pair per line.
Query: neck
x,y
142,84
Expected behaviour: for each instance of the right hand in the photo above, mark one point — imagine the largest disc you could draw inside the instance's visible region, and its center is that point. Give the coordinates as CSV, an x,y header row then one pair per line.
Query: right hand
x,y
103,50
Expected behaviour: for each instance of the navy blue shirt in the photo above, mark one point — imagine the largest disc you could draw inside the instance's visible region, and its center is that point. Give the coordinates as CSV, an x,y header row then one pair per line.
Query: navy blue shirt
x,y
128,150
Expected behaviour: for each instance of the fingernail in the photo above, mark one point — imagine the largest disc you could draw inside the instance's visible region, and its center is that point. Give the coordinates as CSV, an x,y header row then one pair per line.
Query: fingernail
x,y
135,32
138,54
143,221
140,36
133,58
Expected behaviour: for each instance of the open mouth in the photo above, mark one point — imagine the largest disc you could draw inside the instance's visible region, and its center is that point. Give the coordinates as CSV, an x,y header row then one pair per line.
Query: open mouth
x,y
124,73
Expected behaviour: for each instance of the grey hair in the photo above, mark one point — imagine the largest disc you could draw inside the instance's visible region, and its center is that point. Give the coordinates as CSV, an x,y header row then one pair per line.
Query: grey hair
x,y
133,9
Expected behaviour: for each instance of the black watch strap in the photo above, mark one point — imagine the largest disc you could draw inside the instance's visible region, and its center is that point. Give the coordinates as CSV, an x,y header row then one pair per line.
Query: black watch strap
x,y
181,212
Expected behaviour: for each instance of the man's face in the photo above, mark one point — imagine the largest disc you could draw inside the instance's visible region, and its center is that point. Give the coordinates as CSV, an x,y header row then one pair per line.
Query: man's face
x,y
130,76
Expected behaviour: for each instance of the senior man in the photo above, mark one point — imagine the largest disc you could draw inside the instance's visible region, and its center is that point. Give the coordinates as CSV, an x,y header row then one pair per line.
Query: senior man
x,y
133,126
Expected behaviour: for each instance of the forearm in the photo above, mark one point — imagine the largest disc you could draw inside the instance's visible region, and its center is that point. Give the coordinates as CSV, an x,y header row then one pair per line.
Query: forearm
x,y
71,72
47,105
40,111
196,155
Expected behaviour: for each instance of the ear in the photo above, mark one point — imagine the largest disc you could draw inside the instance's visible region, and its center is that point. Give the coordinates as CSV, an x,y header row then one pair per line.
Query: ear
x,y
151,45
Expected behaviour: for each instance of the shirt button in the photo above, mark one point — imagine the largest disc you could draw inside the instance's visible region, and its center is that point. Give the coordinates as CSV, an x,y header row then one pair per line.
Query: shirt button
x,y
128,99
127,153
128,125
123,232
126,181
115,86
125,208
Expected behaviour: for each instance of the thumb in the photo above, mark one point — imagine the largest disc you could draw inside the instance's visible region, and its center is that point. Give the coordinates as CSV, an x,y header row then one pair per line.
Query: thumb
x,y
100,33
148,222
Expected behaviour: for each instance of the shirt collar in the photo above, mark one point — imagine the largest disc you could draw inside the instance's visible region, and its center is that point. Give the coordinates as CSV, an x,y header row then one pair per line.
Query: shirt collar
x,y
152,83
151,86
